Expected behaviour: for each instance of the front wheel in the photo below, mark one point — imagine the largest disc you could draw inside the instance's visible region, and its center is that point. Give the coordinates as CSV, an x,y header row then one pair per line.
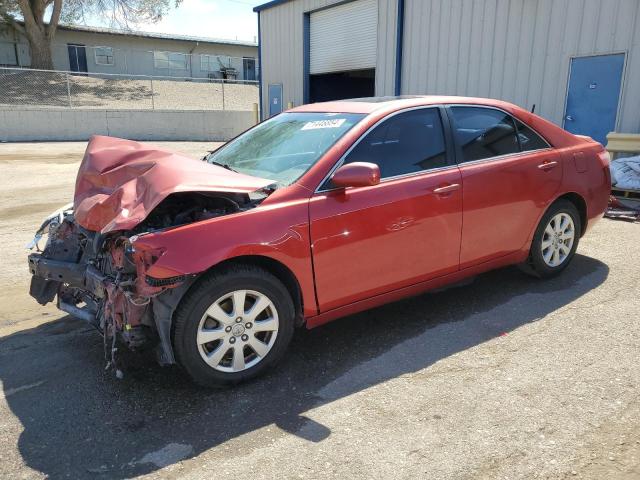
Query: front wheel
x,y
233,326
555,241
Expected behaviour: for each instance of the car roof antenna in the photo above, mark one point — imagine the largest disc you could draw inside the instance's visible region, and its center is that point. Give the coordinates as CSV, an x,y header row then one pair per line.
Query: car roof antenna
x,y
533,109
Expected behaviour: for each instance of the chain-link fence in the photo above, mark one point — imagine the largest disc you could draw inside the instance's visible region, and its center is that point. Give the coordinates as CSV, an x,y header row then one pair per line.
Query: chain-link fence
x,y
46,88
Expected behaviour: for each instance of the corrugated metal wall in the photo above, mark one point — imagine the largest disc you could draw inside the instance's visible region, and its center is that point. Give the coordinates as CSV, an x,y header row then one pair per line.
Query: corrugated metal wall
x,y
518,50
282,42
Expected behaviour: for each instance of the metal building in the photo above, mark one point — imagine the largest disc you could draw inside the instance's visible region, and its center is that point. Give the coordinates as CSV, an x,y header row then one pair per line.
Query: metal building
x,y
577,61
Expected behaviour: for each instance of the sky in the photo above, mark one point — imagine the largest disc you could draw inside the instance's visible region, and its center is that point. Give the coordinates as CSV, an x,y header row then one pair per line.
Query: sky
x,y
230,19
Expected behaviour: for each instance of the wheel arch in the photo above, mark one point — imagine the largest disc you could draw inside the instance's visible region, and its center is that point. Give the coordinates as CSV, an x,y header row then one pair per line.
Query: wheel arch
x,y
277,269
580,204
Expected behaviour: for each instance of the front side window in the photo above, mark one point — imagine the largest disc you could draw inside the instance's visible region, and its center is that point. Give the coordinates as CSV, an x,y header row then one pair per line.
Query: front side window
x,y
284,147
406,143
483,133
103,55
171,60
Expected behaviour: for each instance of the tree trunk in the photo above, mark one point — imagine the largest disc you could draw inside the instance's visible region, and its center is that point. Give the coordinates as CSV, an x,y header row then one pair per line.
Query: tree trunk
x,y
40,47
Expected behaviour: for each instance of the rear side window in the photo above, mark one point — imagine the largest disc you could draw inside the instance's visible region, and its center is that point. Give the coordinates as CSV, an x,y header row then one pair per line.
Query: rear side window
x,y
484,133
529,140
405,143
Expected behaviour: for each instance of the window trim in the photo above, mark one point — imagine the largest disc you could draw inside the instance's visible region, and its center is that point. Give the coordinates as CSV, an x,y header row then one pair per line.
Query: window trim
x,y
168,67
95,56
446,131
457,146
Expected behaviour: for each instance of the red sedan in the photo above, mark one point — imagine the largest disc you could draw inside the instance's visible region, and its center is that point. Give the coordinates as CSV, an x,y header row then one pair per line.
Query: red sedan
x,y
320,212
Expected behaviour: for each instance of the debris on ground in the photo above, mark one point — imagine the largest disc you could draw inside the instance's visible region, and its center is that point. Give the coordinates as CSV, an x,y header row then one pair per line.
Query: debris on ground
x,y
623,210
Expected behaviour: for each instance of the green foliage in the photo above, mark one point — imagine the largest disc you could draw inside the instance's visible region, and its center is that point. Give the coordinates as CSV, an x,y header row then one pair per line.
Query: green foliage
x,y
122,13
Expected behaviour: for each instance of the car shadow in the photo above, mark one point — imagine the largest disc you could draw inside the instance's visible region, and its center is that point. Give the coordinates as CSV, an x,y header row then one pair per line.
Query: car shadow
x,y
80,421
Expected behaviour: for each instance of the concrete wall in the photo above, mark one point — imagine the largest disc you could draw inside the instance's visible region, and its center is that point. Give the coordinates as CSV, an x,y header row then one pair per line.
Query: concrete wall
x,y
282,41
77,124
518,50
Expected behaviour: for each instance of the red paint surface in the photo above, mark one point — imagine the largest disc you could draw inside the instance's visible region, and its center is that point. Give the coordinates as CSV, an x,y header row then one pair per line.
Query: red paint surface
x,y
353,249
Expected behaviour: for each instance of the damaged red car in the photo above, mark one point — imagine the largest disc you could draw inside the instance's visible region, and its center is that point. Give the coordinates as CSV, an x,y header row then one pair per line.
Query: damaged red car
x,y
320,212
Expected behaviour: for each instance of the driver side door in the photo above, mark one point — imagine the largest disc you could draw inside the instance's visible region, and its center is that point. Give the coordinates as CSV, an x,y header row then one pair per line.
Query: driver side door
x,y
371,240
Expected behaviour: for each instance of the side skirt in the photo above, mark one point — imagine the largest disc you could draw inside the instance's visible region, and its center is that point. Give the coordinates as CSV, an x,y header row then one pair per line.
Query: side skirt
x,y
417,289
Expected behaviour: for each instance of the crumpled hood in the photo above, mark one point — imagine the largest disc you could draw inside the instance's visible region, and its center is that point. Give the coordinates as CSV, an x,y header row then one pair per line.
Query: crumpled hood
x,y
120,182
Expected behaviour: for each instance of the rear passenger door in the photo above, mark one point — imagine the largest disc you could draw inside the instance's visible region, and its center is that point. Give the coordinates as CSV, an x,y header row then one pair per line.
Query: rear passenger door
x,y
509,176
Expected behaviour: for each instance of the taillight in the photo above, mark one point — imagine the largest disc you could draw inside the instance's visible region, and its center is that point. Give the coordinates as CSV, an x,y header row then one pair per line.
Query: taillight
x,y
605,158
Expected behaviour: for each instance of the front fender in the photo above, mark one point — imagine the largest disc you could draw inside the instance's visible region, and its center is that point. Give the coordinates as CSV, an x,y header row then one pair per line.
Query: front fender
x,y
279,231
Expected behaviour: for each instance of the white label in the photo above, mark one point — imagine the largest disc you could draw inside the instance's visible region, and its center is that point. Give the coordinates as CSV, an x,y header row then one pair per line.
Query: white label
x,y
334,123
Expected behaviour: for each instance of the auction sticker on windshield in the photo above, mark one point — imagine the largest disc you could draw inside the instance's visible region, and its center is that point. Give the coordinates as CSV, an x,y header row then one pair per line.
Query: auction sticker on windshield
x,y
333,123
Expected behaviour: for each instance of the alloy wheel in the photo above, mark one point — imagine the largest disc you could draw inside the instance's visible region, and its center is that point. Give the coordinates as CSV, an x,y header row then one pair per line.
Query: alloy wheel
x,y
237,331
557,239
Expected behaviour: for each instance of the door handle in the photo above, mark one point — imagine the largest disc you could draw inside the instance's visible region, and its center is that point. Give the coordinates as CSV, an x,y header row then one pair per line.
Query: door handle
x,y
569,117
547,165
446,189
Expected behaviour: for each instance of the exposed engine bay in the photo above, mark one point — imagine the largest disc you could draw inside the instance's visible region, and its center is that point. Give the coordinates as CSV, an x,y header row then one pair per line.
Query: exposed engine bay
x,y
101,278
90,263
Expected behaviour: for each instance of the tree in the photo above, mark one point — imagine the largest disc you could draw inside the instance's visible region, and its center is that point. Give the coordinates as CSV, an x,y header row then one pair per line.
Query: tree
x,y
38,20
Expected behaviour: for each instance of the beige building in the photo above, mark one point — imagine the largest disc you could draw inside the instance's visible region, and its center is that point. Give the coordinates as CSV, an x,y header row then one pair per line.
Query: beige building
x,y
577,61
109,51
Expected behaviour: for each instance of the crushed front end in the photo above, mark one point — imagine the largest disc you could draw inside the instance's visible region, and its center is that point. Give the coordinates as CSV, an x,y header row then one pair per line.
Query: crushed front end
x,y
91,263
101,279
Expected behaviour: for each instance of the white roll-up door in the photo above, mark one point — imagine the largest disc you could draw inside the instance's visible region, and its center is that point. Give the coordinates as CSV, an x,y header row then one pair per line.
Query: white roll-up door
x,y
344,37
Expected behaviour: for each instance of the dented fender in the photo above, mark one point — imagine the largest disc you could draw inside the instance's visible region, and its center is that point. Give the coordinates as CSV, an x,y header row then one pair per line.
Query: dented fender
x,y
281,234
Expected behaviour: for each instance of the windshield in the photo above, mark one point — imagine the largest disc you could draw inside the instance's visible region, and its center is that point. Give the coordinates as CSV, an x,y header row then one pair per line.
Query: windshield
x,y
284,147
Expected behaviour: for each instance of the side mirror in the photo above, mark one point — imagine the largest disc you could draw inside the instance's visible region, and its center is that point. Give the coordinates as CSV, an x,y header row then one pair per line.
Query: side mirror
x,y
356,174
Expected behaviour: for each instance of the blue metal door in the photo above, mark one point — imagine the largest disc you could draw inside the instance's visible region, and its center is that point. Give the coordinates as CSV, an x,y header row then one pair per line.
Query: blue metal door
x,y
275,99
592,99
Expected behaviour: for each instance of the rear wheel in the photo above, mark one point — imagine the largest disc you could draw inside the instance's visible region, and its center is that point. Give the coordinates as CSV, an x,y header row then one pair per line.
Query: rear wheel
x,y
555,241
233,326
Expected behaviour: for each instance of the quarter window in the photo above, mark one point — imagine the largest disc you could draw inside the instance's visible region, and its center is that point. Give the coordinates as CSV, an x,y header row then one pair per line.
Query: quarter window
x,y
529,140
405,143
103,55
484,133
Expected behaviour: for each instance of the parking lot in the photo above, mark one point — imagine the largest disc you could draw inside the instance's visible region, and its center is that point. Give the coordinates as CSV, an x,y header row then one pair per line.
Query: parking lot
x,y
501,377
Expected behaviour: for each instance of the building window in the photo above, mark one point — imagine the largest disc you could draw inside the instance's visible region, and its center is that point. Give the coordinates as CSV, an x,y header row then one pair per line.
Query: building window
x,y
214,63
103,55
171,60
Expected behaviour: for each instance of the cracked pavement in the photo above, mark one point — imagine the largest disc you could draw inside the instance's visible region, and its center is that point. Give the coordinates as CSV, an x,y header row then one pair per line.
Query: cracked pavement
x,y
503,377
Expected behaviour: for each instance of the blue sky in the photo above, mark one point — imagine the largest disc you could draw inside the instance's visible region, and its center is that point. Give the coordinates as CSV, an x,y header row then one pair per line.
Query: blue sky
x,y
232,19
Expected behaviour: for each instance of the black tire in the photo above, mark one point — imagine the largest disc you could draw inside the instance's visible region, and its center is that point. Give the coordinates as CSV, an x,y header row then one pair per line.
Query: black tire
x,y
210,288
536,264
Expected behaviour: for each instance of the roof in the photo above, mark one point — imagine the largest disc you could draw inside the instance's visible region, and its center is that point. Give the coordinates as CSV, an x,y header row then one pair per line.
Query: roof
x,y
163,36
374,104
272,3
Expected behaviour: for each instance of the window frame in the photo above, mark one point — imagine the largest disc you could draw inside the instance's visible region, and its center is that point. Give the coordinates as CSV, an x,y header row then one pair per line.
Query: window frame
x,y
448,144
95,56
458,148
168,54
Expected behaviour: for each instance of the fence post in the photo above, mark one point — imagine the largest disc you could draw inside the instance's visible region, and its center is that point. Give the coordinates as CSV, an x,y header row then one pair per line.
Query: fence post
x,y
153,101
69,91
223,94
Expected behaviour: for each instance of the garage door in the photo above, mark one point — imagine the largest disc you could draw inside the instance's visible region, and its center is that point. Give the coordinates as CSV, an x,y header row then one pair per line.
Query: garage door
x,y
344,38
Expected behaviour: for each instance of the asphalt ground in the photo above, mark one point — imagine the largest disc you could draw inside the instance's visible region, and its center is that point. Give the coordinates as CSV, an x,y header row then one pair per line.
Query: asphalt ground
x,y
503,377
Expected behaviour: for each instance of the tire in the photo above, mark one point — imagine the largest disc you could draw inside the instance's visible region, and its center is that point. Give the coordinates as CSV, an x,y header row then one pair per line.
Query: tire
x,y
542,261
207,322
